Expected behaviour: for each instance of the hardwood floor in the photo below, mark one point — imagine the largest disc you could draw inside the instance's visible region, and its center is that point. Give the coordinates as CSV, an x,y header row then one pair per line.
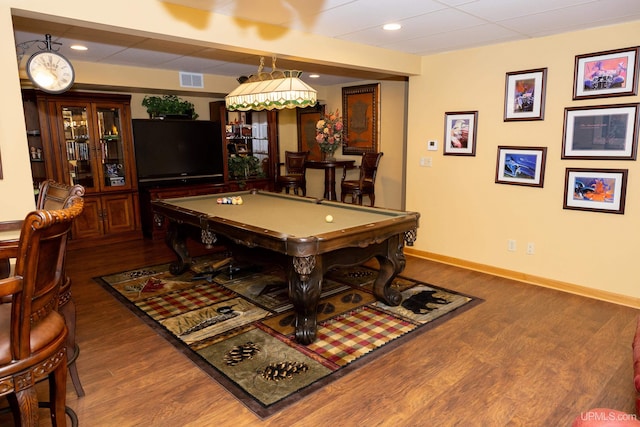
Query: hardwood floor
x,y
525,356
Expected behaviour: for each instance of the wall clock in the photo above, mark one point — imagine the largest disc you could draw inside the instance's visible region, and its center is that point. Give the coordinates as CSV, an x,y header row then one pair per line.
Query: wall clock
x,y
50,71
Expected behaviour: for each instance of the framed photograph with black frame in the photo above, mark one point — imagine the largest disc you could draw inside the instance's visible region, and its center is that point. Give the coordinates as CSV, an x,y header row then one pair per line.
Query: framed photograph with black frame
x,y
607,73
601,132
360,115
460,130
307,119
521,165
525,95
599,190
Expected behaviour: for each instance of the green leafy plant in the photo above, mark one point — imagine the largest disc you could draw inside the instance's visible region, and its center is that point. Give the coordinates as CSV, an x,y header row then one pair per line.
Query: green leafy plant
x,y
158,106
243,167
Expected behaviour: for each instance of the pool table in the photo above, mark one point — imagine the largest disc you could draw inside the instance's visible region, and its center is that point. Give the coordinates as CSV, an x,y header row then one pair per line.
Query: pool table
x,y
294,230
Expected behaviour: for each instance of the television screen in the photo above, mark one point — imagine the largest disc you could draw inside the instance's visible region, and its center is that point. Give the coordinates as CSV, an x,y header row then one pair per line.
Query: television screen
x,y
177,150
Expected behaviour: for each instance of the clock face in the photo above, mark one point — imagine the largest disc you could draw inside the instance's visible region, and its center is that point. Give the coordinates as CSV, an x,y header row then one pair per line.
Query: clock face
x,y
50,71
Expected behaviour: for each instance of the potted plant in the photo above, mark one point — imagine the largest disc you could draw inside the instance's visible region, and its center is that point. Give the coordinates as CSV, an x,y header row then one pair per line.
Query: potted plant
x,y
243,167
169,105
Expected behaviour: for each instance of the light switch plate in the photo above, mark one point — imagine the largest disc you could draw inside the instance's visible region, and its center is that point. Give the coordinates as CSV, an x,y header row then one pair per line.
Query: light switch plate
x,y
432,145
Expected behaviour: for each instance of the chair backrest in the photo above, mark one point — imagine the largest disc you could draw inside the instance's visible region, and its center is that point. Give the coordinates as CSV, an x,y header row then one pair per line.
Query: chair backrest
x,y
55,195
38,273
369,167
295,162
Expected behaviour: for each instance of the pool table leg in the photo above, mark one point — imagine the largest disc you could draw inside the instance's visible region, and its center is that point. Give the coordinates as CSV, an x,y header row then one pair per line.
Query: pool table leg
x,y
176,239
391,264
305,282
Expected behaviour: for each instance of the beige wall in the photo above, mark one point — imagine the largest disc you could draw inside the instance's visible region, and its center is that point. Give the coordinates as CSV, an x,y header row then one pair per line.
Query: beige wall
x,y
16,191
467,216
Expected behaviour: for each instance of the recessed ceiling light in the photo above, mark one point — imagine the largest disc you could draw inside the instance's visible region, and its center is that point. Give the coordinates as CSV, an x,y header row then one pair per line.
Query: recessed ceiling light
x,y
314,76
391,27
78,47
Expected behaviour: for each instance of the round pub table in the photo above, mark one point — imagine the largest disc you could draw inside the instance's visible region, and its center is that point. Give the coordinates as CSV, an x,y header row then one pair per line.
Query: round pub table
x,y
329,167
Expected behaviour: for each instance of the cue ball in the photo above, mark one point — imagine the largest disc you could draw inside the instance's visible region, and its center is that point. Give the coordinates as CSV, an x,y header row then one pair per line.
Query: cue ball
x,y
328,218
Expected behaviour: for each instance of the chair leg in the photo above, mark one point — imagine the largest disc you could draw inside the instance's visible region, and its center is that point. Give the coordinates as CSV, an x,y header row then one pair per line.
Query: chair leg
x,y
57,393
68,311
25,402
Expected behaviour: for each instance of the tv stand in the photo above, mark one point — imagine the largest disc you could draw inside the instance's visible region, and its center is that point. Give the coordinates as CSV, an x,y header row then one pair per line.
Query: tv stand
x,y
155,227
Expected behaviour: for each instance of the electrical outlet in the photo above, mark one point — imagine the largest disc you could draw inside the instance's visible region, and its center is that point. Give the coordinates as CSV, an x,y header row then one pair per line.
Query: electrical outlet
x,y
511,245
531,248
426,162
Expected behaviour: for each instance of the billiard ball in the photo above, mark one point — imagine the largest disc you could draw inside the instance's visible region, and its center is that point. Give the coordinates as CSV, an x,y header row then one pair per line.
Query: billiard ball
x,y
328,218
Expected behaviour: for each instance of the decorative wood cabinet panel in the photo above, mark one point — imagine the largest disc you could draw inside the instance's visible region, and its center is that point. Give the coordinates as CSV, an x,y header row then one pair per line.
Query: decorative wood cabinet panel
x,y
154,226
86,138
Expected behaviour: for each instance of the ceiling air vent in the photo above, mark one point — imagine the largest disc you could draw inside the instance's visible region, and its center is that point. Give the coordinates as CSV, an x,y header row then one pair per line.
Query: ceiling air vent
x,y
191,80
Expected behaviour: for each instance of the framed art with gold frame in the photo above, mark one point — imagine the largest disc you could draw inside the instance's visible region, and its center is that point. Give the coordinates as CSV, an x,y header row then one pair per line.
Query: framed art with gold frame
x,y
360,115
307,119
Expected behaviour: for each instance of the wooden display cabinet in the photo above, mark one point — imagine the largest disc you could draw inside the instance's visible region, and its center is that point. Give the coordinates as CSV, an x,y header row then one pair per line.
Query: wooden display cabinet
x,y
86,139
250,144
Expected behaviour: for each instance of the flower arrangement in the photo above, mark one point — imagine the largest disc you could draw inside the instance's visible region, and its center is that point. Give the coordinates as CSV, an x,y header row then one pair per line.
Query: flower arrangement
x,y
329,132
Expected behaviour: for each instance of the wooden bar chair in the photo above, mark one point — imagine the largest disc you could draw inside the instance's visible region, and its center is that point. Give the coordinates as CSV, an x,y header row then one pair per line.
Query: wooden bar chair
x,y
295,173
53,196
365,185
33,333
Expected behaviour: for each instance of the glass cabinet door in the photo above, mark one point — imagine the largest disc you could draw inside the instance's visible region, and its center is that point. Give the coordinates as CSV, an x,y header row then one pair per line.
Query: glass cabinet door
x,y
111,148
78,147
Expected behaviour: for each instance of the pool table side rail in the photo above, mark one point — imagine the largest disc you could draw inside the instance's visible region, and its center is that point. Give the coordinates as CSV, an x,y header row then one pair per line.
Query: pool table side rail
x,y
251,236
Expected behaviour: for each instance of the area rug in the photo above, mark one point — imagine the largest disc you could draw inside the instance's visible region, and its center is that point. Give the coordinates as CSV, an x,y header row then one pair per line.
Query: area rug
x,y
235,323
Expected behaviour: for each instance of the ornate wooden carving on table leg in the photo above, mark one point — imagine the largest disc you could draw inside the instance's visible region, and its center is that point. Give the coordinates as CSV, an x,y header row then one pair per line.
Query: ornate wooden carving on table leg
x,y
176,239
305,282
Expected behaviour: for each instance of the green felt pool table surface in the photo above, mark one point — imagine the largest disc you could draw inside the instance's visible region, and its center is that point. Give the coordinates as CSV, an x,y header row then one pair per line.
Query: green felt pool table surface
x,y
288,215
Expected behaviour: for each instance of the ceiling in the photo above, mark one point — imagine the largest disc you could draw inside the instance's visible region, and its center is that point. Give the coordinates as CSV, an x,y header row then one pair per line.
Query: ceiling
x,y
428,27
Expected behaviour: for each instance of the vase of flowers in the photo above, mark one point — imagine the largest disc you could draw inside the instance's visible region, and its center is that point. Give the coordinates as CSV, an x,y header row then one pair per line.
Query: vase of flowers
x,y
329,134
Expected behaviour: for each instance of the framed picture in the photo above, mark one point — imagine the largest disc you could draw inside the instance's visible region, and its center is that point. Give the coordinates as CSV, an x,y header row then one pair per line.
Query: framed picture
x,y
460,133
360,115
600,190
600,132
521,165
307,119
525,95
608,73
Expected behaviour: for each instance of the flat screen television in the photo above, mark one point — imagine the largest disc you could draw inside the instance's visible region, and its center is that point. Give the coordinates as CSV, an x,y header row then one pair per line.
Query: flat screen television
x,y
169,151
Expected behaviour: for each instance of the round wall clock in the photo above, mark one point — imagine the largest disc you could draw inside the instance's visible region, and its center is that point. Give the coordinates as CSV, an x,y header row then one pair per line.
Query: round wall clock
x,y
50,71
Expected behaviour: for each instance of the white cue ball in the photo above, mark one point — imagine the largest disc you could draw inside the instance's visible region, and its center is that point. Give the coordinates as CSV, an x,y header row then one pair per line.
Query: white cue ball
x,y
328,218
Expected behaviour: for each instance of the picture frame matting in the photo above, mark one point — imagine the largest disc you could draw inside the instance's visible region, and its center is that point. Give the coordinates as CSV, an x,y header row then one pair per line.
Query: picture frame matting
x,y
525,93
521,165
597,190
